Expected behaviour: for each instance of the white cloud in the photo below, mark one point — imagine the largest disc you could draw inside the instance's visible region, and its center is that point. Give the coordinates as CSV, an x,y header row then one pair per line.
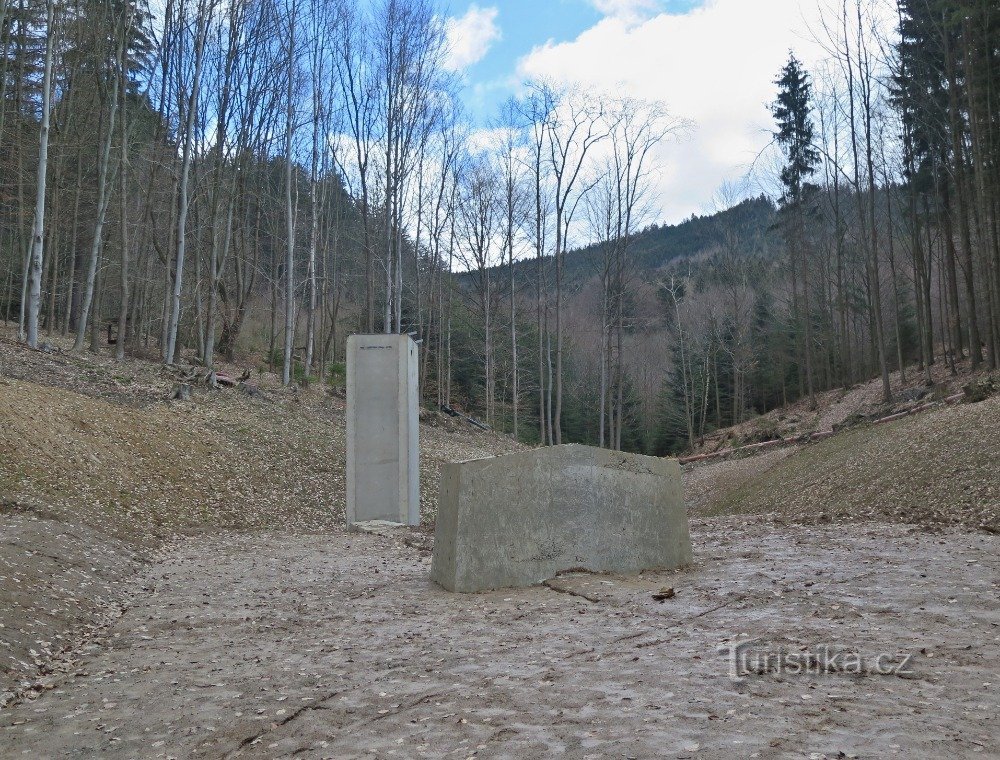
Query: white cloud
x,y
715,65
630,11
471,36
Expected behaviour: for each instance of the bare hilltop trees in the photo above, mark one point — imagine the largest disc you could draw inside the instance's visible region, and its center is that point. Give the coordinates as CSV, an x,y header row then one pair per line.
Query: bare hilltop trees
x,y
267,176
257,179
255,126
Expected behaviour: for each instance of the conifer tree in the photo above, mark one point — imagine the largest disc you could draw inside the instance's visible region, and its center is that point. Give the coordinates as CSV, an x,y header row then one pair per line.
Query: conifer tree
x,y
795,133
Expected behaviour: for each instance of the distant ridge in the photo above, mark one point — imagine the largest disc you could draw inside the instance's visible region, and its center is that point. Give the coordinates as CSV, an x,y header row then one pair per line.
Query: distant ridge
x,y
657,246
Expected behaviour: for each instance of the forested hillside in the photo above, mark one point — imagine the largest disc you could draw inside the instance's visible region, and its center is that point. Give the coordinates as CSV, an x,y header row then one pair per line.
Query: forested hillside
x,y
257,179
657,246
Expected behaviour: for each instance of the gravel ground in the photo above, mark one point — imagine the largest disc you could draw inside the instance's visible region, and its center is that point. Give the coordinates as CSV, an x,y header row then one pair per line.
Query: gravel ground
x,y
174,582
336,645
99,475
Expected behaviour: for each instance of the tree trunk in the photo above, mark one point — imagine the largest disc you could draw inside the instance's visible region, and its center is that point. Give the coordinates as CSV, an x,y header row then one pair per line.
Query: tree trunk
x,y
286,373
123,308
38,228
103,201
182,207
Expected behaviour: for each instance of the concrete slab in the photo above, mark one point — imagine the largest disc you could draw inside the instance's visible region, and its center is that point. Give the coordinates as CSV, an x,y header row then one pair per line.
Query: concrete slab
x,y
520,519
376,527
383,466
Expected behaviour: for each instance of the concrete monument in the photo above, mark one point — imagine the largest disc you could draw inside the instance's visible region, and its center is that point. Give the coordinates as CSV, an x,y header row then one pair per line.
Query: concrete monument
x,y
520,519
383,475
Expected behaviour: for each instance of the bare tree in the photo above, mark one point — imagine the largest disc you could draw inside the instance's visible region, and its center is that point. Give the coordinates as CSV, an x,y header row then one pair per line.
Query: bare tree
x,y
480,210
410,42
230,44
356,77
38,228
636,128
533,111
576,124
189,106
320,106
511,163
291,197
119,26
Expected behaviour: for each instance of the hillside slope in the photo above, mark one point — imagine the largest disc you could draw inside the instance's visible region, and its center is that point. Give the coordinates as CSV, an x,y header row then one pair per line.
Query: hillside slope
x,y
100,474
657,246
935,469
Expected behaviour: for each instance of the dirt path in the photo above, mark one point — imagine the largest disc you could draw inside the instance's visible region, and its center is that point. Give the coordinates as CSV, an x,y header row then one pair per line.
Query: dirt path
x,y
336,645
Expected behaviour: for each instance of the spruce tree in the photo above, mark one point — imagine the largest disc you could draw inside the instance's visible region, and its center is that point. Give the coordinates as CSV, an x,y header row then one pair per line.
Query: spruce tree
x,y
795,131
792,113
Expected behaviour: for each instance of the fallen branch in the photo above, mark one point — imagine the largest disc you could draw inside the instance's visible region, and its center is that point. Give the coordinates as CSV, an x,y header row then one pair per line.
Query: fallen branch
x,y
408,706
555,586
455,413
688,619
818,436
777,442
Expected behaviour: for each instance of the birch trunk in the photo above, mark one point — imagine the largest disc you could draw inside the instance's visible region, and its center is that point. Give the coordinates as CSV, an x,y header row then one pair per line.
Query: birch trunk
x,y
38,228
173,323
103,201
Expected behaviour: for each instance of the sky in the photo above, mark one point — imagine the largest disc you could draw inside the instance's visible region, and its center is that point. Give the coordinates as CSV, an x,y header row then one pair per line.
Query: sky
x,y
712,62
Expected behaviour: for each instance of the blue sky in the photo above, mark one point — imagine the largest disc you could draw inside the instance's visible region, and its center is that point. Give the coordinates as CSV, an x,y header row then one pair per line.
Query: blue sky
x,y
525,25
711,62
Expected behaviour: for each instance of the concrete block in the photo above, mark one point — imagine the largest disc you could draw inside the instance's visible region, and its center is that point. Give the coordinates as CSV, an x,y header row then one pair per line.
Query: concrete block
x,y
377,527
520,519
383,465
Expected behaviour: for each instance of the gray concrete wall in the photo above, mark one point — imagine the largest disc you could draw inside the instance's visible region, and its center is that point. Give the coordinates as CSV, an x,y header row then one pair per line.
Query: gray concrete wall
x,y
383,466
520,519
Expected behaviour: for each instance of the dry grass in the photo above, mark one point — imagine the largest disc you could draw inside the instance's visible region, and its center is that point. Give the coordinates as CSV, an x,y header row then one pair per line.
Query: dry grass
x,y
704,482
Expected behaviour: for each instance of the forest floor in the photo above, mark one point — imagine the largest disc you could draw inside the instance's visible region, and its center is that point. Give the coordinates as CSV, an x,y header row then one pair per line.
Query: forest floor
x,y
840,408
175,581
101,475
